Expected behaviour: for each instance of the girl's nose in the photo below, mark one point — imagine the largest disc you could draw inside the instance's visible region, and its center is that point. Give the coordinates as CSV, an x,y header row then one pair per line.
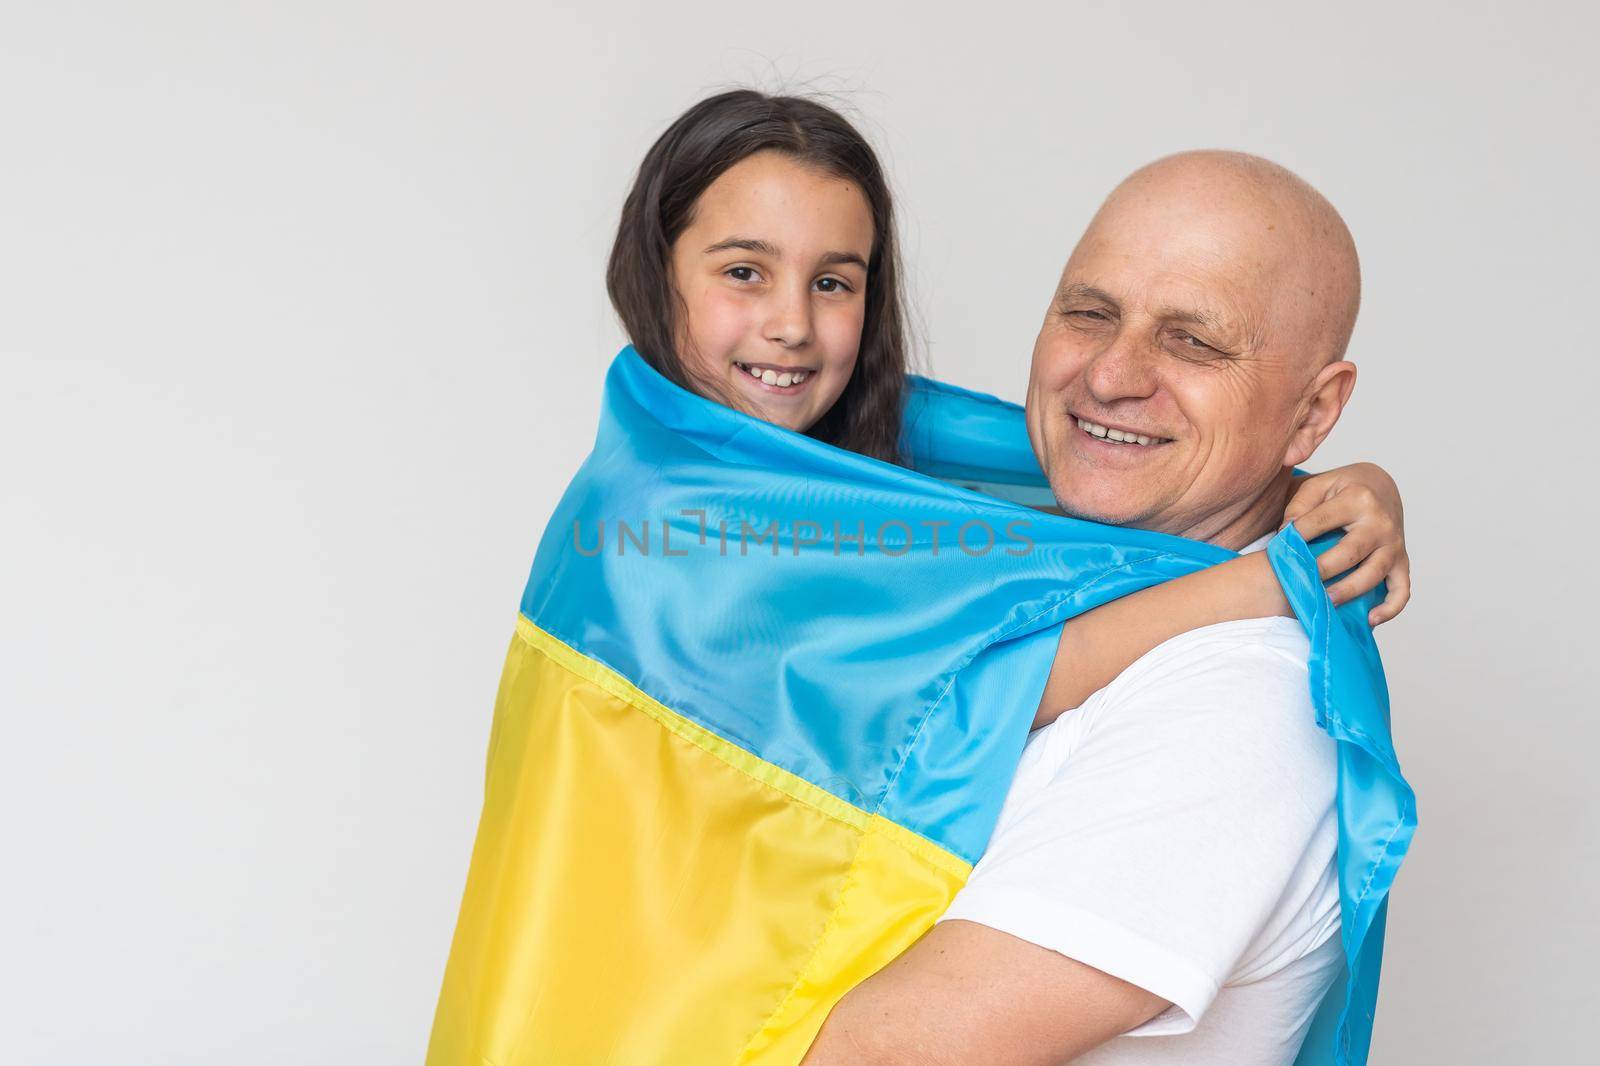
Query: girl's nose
x,y
789,318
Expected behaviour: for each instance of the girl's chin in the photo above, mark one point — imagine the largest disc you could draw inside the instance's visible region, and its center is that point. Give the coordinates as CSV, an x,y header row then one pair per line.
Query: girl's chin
x,y
788,419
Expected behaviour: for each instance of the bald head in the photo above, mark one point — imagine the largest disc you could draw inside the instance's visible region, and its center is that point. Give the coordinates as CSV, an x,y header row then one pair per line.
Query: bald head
x,y
1307,277
1194,351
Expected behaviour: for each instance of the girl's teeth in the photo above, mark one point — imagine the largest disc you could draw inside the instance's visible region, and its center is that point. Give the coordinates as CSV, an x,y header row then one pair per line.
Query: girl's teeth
x,y
781,380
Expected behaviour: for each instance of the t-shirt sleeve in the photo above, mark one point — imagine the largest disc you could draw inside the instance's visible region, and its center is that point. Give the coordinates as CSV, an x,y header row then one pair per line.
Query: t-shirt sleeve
x,y
1155,837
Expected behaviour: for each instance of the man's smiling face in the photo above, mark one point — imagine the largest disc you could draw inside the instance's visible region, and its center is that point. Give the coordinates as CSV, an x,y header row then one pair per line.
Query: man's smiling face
x,y
1187,324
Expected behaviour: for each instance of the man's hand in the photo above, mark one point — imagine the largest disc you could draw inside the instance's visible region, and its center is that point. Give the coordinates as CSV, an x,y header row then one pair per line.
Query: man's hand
x,y
968,995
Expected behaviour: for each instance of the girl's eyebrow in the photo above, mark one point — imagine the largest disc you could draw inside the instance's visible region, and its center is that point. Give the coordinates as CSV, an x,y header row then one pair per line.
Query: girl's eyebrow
x,y
761,247
748,244
833,258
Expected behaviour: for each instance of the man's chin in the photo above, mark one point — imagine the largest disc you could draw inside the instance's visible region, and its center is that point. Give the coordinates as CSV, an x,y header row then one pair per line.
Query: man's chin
x,y
1106,512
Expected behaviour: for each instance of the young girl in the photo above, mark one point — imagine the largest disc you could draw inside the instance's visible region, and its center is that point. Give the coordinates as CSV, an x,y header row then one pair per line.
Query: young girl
x,y
756,265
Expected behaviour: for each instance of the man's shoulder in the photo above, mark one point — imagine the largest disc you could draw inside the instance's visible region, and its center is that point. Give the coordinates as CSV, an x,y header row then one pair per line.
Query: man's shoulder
x,y
1239,686
1244,640
1263,656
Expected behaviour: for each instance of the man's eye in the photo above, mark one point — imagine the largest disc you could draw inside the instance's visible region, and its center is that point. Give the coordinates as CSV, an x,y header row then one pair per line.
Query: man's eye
x,y
1092,316
1194,342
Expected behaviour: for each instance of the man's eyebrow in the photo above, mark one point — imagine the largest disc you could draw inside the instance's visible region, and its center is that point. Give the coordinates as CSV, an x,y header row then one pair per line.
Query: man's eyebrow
x,y
761,247
1086,292
1200,316
1216,322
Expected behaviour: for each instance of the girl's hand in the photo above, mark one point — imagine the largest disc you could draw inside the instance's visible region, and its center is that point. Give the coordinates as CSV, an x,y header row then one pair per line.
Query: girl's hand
x,y
1364,501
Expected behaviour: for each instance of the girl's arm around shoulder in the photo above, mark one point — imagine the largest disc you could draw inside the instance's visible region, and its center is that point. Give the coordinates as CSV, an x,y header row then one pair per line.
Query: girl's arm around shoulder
x,y
1362,499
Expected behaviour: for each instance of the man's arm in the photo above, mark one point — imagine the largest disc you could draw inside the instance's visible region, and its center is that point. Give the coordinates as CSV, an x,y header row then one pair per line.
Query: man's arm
x,y
967,994
1139,854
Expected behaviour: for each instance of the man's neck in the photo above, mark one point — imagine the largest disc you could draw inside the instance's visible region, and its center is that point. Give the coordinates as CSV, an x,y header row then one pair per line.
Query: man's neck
x,y
1262,515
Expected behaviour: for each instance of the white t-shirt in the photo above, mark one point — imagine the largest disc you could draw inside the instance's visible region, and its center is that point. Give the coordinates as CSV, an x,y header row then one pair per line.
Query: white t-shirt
x,y
1178,831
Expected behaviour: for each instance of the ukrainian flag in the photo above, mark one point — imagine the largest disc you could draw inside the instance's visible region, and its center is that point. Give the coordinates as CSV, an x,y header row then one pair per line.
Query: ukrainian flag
x,y
761,709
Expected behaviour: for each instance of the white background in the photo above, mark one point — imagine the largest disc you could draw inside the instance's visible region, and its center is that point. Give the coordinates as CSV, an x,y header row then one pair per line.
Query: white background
x,y
303,325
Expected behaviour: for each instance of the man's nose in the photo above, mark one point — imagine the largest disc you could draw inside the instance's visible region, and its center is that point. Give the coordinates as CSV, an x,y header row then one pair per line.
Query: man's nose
x,y
788,319
1124,369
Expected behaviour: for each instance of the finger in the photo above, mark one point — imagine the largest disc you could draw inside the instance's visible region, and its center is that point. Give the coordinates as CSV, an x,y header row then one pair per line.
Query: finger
x,y
1330,514
1358,503
1349,552
1362,579
1399,582
1302,502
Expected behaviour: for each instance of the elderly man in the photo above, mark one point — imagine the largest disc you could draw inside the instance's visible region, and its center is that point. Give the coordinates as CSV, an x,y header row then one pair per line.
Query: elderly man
x,y
1160,887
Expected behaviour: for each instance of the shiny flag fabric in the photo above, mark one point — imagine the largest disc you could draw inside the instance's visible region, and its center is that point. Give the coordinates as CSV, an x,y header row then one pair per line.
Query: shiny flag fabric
x,y
763,703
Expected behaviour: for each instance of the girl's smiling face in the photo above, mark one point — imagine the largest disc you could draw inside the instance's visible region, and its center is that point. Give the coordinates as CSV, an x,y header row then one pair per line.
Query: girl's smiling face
x,y
772,272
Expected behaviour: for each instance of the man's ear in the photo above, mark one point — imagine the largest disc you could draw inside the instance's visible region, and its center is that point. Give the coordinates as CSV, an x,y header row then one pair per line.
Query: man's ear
x,y
1320,409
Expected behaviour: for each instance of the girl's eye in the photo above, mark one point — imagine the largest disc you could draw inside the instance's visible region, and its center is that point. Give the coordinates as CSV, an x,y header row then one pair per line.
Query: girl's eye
x,y
832,285
740,273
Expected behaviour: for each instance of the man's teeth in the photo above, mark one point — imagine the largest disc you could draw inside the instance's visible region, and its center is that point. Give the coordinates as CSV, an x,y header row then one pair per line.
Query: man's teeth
x,y
772,377
1117,434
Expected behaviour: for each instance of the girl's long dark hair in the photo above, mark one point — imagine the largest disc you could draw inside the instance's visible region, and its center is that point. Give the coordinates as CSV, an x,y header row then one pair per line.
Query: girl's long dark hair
x,y
695,150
